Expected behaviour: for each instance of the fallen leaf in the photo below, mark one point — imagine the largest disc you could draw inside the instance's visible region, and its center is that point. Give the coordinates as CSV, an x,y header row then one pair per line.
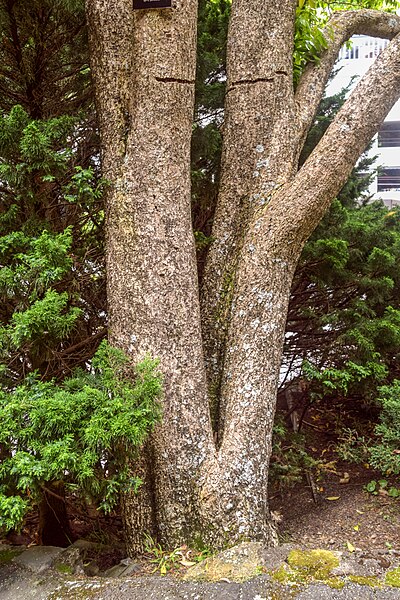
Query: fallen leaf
x,y
332,498
360,512
350,547
187,563
356,527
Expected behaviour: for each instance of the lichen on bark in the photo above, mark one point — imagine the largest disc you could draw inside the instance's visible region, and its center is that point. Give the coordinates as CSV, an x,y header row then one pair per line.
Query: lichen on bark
x,y
144,70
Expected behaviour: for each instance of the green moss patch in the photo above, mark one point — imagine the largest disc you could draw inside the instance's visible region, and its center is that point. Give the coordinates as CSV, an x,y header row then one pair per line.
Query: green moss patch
x,y
285,575
65,569
6,556
361,580
309,565
314,564
393,577
304,567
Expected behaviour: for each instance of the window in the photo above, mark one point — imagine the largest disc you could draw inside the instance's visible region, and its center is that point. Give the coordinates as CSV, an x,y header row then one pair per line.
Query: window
x,y
352,52
389,179
389,134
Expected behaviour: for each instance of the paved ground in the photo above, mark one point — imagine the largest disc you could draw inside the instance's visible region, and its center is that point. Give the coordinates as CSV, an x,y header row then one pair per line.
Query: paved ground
x,y
34,574
258,589
16,583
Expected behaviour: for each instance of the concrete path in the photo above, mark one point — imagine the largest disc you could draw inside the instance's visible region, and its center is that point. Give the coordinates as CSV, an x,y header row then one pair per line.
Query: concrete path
x,y
18,583
33,575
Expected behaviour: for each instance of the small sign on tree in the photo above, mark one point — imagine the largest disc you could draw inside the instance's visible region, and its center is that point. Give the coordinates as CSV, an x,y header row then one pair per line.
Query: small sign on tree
x,y
143,4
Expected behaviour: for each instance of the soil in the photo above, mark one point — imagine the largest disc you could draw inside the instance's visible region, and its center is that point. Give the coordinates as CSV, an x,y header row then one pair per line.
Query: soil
x,y
345,513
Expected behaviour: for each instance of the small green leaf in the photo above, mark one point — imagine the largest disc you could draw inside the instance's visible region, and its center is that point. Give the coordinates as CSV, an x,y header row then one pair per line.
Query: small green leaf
x,y
371,486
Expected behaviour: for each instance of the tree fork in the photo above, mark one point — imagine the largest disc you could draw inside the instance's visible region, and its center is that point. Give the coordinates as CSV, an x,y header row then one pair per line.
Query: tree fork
x,y
257,153
144,68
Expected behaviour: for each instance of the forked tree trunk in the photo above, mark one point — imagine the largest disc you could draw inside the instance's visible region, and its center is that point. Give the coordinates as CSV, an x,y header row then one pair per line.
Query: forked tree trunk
x,y
143,66
259,154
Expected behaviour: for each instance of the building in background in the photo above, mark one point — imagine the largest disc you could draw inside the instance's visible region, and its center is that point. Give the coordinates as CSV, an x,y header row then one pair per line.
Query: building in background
x,y
353,63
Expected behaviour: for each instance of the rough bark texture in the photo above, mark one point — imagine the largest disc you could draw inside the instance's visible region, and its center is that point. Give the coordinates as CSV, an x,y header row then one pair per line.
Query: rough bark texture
x,y
143,65
257,155
341,27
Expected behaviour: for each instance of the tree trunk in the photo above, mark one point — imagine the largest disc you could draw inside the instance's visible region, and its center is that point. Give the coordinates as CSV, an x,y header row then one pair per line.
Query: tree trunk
x,y
54,529
143,64
259,155
144,67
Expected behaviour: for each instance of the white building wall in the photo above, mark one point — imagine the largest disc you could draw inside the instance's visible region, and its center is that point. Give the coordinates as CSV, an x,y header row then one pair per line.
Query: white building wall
x,y
353,63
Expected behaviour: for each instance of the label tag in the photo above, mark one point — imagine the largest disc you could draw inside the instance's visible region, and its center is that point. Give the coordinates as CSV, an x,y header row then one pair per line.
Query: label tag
x,y
143,4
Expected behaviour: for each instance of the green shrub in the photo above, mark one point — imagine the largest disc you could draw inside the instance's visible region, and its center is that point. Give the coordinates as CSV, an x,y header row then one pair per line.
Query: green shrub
x,y
289,460
80,432
352,446
385,454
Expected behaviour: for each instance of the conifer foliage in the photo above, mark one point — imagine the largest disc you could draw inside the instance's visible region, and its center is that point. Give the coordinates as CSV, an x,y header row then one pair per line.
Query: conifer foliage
x,y
78,433
69,417
51,279
52,314
343,324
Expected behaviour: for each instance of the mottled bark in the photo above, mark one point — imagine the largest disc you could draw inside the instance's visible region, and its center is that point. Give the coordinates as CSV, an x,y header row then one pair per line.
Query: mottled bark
x,y
341,27
272,233
330,164
258,155
265,129
143,65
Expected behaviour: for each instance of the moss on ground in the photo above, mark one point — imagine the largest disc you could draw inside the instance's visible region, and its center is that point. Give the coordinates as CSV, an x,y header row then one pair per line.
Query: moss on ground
x,y
306,566
6,556
65,569
362,580
284,575
316,564
392,577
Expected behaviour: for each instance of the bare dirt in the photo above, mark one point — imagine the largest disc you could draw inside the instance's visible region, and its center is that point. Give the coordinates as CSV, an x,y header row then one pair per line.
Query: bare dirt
x,y
357,517
345,513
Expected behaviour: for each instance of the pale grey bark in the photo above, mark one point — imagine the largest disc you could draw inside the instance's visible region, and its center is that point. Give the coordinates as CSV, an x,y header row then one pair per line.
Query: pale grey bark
x,y
272,231
143,66
257,156
330,164
144,69
260,152
275,238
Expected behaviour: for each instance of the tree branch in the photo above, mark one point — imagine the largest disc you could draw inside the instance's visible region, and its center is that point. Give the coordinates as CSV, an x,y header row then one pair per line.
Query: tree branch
x,y
340,28
329,165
